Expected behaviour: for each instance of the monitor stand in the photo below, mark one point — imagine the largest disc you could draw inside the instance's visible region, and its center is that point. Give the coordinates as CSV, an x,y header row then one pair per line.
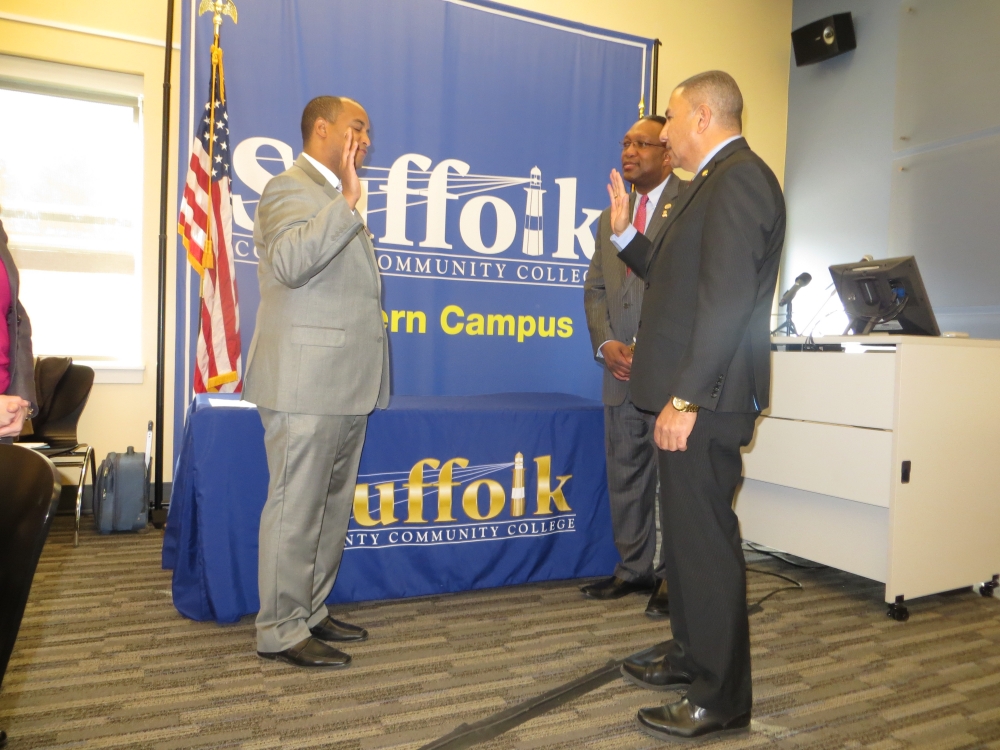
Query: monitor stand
x,y
855,323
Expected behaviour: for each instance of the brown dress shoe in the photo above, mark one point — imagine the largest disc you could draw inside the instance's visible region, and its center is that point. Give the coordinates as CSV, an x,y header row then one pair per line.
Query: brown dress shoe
x,y
615,588
659,606
311,652
684,720
336,631
657,675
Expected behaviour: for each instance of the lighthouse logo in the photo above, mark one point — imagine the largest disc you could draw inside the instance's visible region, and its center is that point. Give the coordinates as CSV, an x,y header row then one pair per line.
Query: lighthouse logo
x,y
533,220
411,207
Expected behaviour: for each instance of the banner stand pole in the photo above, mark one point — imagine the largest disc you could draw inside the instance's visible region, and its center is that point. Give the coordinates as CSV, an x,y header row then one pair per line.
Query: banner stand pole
x,y
157,514
654,78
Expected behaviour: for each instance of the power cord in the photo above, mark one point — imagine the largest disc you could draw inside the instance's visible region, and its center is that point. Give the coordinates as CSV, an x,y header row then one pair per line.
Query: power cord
x,y
780,556
756,607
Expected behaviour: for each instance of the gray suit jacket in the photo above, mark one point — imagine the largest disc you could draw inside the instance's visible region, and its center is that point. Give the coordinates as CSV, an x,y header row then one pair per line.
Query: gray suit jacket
x,y
22,363
612,299
319,346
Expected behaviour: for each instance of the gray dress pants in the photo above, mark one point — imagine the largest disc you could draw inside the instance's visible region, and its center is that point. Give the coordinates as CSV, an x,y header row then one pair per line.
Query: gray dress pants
x,y
631,456
313,461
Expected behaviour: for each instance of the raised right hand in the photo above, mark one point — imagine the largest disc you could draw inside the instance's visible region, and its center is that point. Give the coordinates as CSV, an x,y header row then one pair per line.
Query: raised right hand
x,y
620,213
350,184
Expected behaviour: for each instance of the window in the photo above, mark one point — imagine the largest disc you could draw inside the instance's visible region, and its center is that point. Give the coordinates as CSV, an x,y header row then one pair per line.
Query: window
x,y
71,203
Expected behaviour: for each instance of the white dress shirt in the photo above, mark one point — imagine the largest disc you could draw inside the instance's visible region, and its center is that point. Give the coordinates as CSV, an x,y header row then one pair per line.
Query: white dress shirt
x,y
325,171
654,198
714,151
332,179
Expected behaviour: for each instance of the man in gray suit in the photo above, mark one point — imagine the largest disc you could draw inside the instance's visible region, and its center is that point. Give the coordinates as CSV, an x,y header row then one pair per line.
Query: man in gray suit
x,y
612,298
318,365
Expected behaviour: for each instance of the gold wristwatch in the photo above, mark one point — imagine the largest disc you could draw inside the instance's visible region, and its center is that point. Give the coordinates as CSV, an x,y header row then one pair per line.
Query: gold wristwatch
x,y
681,405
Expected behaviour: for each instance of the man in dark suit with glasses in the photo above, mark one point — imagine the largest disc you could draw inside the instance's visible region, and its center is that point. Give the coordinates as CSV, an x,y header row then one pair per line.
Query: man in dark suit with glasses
x,y
612,298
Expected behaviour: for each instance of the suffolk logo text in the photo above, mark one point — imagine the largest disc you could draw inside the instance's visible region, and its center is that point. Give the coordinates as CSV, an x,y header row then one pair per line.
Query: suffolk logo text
x,y
481,246
453,502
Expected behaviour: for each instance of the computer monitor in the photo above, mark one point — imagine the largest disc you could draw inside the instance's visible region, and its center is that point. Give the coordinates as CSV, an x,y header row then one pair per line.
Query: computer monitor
x,y
885,296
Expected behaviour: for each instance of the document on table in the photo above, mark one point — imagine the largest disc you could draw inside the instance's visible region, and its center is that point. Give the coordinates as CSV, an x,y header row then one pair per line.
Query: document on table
x,y
230,403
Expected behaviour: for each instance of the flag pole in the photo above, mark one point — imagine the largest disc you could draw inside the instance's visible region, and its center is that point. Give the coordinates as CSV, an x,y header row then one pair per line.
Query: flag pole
x,y
157,514
654,78
218,8
207,257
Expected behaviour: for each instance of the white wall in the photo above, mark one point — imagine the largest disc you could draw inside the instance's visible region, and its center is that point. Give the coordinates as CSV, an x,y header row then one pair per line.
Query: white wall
x,y
125,37
838,161
894,149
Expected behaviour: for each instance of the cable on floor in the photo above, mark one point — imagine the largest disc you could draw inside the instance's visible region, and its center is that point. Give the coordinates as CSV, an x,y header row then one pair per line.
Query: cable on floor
x,y
756,607
779,556
467,735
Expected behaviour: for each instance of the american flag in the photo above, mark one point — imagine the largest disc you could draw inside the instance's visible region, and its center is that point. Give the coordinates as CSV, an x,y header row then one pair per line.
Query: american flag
x,y
219,363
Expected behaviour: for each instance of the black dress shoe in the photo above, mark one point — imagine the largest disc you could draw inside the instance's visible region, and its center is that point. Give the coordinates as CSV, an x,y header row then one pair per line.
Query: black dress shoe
x,y
311,652
615,588
338,632
657,675
659,606
684,720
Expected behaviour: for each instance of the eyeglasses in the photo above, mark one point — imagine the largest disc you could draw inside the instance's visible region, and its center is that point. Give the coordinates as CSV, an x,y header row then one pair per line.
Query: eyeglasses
x,y
639,144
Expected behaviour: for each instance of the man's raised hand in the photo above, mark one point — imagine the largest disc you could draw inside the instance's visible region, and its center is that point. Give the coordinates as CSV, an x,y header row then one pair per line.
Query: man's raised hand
x,y
620,214
350,184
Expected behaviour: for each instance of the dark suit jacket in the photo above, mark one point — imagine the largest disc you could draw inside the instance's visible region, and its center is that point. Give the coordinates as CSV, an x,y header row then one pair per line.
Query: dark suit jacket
x,y
611,298
22,362
710,279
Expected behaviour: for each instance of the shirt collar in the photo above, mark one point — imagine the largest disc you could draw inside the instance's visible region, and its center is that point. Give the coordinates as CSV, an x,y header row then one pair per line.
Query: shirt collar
x,y
714,151
325,171
653,196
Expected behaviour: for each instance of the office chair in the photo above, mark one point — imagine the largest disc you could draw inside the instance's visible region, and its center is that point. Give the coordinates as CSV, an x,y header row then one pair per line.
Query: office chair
x,y
29,494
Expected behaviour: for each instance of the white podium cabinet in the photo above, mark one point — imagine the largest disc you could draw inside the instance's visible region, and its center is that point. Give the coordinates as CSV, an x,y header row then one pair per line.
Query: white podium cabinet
x,y
882,460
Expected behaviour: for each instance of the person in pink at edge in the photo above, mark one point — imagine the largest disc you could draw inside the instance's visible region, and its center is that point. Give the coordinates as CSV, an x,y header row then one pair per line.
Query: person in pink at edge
x,y
17,369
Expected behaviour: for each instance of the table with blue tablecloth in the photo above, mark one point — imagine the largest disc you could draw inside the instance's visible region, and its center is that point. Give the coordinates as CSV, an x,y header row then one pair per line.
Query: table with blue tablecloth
x,y
454,493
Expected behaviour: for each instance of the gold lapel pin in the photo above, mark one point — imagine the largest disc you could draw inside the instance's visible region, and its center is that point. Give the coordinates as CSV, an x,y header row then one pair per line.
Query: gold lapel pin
x,y
705,173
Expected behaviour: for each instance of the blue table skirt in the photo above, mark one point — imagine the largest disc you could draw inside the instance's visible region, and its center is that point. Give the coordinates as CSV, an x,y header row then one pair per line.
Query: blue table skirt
x,y
482,541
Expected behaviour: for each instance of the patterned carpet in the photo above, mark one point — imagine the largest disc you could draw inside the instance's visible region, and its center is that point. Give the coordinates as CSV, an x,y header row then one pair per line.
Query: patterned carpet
x,y
104,661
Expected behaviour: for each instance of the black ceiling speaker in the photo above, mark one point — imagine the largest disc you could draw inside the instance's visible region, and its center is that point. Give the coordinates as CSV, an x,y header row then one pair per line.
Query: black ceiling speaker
x,y
823,39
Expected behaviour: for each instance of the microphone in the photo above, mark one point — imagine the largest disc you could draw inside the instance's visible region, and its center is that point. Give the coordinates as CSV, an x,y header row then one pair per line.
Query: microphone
x,y
800,281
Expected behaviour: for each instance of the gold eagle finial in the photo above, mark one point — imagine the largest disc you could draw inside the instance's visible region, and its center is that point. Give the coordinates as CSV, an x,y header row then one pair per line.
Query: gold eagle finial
x,y
218,8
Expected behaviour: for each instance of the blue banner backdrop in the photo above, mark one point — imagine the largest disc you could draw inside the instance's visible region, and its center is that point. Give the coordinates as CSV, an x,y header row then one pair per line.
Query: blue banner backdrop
x,y
493,129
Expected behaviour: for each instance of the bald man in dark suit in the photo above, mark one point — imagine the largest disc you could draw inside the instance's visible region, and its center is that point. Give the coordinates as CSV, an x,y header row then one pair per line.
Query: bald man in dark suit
x,y
702,364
